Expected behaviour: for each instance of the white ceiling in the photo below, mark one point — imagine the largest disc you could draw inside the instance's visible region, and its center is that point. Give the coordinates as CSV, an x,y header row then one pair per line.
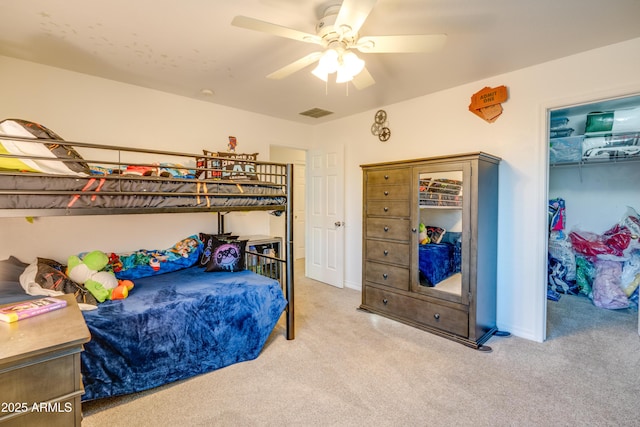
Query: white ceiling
x,y
184,46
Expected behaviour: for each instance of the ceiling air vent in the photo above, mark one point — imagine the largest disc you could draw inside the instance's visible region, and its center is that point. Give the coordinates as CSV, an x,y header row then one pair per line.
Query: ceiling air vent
x,y
316,113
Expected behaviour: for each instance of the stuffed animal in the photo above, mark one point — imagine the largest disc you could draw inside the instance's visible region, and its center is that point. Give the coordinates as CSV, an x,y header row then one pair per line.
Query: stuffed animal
x,y
103,285
423,236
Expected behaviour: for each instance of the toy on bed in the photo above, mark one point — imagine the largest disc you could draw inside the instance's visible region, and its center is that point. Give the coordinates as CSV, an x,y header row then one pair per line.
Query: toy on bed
x,y
423,237
90,272
149,262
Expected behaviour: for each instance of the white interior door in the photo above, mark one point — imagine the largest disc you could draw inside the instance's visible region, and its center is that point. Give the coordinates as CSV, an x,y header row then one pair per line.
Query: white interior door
x,y
325,215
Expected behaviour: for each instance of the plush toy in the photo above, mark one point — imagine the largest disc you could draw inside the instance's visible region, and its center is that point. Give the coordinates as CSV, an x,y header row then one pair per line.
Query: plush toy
x,y
423,237
103,285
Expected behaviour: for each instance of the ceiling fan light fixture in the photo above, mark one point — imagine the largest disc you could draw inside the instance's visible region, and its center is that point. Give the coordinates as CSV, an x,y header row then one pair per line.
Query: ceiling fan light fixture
x,y
352,63
329,61
343,75
338,31
320,73
347,65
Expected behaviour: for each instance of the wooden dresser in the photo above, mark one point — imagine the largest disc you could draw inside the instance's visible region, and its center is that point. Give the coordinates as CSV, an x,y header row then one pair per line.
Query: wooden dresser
x,y
388,224
40,382
444,287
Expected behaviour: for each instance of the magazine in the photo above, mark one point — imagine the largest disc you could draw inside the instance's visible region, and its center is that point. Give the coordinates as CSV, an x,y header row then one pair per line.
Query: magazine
x,y
22,310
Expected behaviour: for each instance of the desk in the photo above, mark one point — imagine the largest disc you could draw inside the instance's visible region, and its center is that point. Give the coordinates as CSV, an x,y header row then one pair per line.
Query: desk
x,y
40,380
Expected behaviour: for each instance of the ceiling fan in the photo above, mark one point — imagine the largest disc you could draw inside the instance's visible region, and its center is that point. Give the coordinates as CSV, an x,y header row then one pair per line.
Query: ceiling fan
x,y
337,33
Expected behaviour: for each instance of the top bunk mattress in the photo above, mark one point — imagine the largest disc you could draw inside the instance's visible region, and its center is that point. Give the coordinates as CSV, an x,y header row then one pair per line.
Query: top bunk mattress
x,y
35,191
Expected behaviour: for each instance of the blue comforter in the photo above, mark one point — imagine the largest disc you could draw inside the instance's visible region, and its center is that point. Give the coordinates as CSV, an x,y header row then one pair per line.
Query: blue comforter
x,y
177,325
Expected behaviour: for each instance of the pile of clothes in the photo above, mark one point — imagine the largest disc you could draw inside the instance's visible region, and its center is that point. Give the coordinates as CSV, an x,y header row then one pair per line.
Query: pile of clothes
x,y
605,267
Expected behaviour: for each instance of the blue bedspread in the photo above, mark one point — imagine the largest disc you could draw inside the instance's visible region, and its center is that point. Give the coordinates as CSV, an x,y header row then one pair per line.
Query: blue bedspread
x,y
177,325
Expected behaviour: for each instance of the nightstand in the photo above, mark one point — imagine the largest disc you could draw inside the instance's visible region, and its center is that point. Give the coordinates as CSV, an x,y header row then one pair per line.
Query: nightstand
x,y
271,246
40,380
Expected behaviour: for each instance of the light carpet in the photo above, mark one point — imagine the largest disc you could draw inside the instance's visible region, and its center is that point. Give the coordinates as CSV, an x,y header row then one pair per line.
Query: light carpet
x,y
347,367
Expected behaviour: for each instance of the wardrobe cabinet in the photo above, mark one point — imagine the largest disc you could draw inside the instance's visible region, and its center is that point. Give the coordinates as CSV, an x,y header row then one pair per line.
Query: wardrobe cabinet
x,y
429,244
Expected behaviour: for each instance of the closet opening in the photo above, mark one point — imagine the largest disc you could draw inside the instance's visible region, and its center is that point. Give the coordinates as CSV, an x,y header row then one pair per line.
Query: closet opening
x,y
593,259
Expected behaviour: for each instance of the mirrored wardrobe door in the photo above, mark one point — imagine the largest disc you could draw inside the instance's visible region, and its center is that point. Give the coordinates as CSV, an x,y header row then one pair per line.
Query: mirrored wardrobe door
x,y
442,229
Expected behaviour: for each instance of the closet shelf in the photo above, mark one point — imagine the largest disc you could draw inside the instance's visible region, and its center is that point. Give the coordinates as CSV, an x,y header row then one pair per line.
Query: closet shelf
x,y
594,162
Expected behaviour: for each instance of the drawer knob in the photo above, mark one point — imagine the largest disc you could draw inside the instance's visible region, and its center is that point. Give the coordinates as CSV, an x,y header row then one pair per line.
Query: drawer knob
x,y
385,301
386,177
386,209
386,193
414,230
385,276
437,317
386,252
386,228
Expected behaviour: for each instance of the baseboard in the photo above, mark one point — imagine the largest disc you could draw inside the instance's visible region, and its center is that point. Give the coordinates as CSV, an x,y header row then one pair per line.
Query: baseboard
x,y
357,286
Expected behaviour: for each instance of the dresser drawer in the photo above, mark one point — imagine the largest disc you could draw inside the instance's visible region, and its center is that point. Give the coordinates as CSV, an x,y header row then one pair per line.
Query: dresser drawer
x,y
387,275
388,208
390,176
388,192
391,252
415,310
41,382
59,413
388,228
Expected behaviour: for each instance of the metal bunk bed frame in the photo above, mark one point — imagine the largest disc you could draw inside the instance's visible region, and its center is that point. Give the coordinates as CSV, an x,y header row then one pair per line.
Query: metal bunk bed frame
x,y
278,175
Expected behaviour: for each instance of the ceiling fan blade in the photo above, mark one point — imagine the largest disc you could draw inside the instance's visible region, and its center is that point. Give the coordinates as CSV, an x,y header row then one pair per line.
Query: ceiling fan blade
x,y
401,44
353,13
363,79
277,30
295,66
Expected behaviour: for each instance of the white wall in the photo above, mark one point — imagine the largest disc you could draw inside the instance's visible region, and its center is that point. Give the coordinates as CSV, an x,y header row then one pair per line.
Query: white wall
x,y
441,124
84,108
596,196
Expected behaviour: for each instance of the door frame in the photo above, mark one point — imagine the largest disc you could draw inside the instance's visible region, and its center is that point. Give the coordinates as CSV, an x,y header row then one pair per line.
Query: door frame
x,y
542,243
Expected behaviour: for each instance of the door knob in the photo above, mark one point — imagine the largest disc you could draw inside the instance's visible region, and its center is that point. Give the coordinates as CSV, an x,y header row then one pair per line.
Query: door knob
x,y
338,223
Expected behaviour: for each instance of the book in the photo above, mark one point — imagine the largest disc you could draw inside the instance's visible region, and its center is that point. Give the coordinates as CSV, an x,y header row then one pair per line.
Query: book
x,y
22,310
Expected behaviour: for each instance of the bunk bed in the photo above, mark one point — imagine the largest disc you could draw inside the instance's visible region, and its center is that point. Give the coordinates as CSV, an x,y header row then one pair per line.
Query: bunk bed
x,y
177,324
